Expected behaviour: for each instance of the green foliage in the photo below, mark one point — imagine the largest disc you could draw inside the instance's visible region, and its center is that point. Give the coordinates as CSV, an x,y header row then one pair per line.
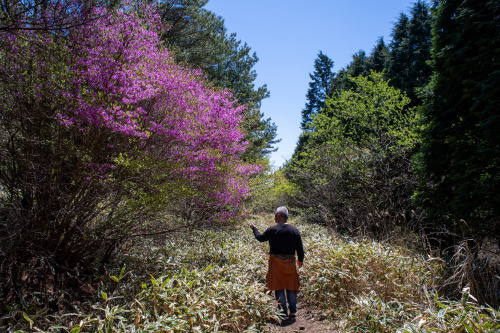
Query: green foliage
x,y
261,134
319,88
356,158
270,189
370,116
198,37
199,281
404,60
379,58
372,314
360,65
152,183
410,48
461,316
340,271
367,286
460,157
213,280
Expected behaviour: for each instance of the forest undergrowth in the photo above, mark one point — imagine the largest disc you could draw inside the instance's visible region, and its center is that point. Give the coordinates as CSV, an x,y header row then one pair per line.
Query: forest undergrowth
x,y
213,280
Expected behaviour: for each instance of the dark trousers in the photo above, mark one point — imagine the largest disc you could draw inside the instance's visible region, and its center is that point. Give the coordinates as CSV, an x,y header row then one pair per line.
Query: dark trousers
x,y
283,296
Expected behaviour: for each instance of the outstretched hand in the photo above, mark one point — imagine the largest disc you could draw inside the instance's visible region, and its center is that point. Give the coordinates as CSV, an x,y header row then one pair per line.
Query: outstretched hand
x,y
251,225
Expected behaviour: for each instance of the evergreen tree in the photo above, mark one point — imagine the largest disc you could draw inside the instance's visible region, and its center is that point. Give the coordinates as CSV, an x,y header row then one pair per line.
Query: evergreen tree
x,y
318,88
261,133
198,37
360,65
191,31
460,159
420,35
398,70
379,57
410,51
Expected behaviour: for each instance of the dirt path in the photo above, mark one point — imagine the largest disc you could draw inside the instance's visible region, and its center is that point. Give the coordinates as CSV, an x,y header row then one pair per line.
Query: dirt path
x,y
308,320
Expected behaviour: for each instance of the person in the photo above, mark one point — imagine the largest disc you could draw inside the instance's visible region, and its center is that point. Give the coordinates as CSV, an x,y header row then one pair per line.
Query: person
x,y
282,277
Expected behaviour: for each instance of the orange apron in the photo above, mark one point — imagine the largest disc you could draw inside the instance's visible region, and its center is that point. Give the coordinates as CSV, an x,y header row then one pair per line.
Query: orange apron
x,y
282,273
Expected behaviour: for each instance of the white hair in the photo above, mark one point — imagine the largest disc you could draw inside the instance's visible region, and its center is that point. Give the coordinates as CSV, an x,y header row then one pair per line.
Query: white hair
x,y
282,210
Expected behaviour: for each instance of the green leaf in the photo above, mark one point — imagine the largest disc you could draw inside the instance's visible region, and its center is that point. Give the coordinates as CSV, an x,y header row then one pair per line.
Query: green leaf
x,y
75,329
441,305
25,316
468,328
122,271
104,295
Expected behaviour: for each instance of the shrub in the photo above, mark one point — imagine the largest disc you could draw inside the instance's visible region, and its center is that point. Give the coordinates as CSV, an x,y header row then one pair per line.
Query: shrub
x,y
354,171
101,135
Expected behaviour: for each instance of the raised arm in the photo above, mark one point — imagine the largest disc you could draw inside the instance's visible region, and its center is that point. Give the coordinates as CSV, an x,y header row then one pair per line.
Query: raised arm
x,y
259,236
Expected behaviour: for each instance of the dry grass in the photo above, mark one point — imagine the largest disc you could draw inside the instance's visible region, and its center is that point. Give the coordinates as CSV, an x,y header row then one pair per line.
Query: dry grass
x,y
213,281
340,270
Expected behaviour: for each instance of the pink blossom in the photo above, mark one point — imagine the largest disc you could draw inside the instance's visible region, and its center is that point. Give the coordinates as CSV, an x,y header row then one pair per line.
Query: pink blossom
x,y
123,88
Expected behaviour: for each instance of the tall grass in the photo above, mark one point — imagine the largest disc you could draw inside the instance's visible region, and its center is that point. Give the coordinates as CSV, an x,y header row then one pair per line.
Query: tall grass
x,y
211,280
341,271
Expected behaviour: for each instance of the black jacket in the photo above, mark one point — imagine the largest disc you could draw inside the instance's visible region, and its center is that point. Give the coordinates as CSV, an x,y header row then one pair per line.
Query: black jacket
x,y
283,239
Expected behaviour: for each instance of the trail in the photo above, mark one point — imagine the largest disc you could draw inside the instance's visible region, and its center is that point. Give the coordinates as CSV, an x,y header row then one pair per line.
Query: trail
x,y
308,320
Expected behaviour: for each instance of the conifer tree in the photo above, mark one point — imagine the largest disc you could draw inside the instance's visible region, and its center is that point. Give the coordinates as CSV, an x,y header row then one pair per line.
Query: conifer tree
x,y
460,159
420,34
318,88
199,38
410,51
360,65
379,57
398,70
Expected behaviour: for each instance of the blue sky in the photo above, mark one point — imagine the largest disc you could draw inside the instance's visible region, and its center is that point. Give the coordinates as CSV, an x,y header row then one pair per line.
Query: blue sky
x,y
287,36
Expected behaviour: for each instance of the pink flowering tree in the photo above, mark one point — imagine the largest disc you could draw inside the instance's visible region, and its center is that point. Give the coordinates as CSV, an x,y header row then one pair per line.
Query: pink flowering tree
x,y
102,133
